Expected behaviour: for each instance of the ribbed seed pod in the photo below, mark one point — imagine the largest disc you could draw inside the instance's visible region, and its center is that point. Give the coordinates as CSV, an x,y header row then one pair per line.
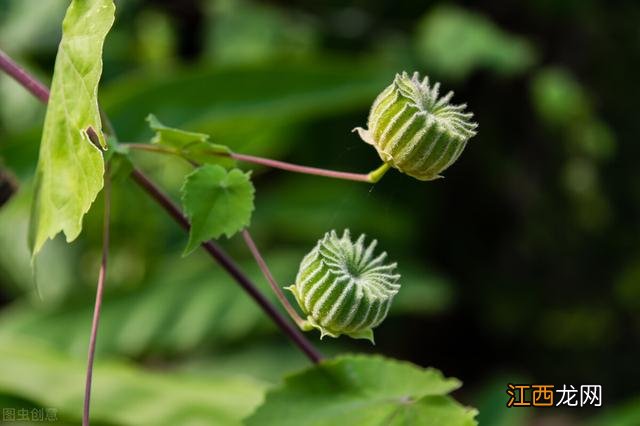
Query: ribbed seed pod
x,y
415,130
343,288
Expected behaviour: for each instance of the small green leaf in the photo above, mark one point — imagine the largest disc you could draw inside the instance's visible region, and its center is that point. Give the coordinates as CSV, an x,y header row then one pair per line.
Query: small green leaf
x,y
70,168
193,146
217,202
364,390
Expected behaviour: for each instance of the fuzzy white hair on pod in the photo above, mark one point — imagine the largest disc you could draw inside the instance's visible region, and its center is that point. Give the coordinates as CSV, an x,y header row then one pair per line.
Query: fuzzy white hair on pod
x,y
415,130
345,287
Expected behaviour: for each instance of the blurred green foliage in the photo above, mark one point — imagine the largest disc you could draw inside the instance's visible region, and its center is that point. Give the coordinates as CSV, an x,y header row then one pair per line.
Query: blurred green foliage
x,y
453,42
124,394
523,262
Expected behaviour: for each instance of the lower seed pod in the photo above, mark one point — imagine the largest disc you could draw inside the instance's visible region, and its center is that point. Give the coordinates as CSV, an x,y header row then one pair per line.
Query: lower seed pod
x,y
415,130
343,288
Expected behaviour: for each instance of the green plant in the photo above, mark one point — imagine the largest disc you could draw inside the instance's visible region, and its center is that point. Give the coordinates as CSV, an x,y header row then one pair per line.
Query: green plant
x,y
415,130
81,155
344,288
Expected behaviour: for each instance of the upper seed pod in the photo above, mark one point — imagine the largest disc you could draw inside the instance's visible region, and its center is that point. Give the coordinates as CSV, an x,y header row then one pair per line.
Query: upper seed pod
x,y
343,288
415,131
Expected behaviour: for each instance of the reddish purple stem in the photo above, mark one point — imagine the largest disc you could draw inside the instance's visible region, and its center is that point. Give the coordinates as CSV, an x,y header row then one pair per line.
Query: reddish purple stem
x,y
36,88
230,266
99,293
41,92
360,177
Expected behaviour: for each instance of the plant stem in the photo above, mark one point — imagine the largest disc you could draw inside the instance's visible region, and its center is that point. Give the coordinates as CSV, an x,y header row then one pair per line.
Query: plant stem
x,y
42,93
359,177
36,88
267,274
230,266
377,174
99,294
371,177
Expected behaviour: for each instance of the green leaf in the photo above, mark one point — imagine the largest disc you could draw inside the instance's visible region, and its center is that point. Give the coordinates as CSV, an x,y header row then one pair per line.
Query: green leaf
x,y
70,168
194,147
364,390
123,394
217,202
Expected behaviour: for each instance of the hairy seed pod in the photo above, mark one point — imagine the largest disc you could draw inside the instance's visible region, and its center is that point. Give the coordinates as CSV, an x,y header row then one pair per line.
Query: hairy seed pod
x,y
415,130
344,288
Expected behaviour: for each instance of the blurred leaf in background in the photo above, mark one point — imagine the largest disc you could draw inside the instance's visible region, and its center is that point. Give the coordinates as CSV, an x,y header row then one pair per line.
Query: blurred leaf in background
x,y
250,32
453,42
123,394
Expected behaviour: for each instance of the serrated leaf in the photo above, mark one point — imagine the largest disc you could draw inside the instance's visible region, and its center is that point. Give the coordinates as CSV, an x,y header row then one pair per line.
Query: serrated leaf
x,y
361,391
193,146
217,202
70,168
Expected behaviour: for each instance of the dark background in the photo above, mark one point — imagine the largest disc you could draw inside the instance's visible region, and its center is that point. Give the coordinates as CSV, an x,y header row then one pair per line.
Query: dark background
x,y
522,265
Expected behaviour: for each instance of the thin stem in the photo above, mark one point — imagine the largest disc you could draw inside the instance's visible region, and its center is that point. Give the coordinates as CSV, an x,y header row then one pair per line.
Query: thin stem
x,y
372,177
359,177
99,294
230,266
218,254
267,274
36,88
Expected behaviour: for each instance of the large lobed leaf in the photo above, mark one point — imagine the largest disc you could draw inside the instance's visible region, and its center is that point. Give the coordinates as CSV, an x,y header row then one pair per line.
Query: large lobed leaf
x,y
361,391
70,168
217,202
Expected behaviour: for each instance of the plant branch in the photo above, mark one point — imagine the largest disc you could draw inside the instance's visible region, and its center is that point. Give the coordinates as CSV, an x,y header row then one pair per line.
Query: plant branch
x,y
371,177
99,294
42,93
359,177
267,274
229,265
36,88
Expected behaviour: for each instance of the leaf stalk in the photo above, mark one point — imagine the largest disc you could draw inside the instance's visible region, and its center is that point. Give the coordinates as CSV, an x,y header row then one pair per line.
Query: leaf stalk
x,y
272,282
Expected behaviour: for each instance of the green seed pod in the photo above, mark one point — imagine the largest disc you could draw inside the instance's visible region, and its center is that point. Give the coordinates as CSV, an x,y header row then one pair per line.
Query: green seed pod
x,y
343,288
416,131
